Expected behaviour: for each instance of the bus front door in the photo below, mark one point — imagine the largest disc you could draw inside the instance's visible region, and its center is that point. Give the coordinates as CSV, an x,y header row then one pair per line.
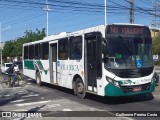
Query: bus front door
x,y
92,61
53,63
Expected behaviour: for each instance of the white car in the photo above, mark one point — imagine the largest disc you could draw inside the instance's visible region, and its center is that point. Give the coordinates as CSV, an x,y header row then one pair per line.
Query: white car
x,y
5,66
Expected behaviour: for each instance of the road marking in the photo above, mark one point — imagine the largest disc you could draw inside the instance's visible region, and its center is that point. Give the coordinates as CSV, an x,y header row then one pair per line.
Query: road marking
x,y
29,96
29,79
126,118
22,91
15,101
50,106
7,95
66,109
21,110
16,119
32,103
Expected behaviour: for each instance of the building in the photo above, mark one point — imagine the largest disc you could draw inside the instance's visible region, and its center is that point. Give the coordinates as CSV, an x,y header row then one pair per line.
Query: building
x,y
154,31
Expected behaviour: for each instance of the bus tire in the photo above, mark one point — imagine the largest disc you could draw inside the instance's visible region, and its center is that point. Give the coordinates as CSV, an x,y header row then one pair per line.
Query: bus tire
x,y
74,88
80,89
38,79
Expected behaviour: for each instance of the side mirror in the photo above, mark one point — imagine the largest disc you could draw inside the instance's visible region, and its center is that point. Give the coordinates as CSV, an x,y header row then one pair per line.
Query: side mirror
x,y
104,48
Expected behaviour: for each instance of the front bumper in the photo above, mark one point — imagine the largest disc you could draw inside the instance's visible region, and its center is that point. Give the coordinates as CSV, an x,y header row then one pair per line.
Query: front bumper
x,y
111,90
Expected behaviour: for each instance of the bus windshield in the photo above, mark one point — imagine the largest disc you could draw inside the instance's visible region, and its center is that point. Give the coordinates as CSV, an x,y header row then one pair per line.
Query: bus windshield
x,y
128,52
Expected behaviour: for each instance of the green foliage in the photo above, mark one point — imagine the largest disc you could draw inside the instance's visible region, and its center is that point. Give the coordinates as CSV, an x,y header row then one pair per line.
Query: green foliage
x,y
156,47
156,44
13,48
8,49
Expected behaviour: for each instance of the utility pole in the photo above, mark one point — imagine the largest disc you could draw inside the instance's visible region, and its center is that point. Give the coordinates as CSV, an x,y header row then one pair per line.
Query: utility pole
x,y
47,9
105,12
132,11
1,42
155,23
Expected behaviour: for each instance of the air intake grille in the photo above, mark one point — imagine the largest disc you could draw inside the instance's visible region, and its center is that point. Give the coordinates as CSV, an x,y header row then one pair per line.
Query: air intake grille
x,y
132,73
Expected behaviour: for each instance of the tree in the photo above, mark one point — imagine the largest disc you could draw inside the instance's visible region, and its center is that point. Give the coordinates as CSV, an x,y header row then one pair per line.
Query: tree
x,y
8,49
156,47
13,48
156,44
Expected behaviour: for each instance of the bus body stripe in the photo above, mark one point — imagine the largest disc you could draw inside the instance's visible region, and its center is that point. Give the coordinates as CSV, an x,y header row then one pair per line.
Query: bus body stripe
x,y
33,64
28,64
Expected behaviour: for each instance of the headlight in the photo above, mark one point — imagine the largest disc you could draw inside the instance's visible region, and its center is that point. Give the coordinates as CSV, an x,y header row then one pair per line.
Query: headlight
x,y
112,81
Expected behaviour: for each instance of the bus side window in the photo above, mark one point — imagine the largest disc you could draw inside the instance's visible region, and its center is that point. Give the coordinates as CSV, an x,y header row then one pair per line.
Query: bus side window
x,y
75,48
37,51
31,52
26,52
45,50
63,49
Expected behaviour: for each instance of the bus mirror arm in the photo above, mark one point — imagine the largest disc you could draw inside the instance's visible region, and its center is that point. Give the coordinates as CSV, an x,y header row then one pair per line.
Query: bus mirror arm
x,y
104,49
105,59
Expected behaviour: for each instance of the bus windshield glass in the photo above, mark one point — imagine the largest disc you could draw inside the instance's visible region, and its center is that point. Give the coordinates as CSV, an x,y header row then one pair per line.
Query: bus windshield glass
x,y
129,50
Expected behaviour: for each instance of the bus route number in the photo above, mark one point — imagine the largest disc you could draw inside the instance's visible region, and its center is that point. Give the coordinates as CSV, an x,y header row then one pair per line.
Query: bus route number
x,y
113,29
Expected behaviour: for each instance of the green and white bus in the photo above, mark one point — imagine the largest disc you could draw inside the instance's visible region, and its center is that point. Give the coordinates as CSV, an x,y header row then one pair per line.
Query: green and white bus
x,y
112,60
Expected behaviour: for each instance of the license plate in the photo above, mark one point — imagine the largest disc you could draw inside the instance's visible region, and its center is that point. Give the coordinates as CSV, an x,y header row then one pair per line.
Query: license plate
x,y
137,89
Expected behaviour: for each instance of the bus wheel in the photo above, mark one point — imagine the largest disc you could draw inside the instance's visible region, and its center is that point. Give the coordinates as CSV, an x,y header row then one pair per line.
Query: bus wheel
x,y
74,88
38,79
80,89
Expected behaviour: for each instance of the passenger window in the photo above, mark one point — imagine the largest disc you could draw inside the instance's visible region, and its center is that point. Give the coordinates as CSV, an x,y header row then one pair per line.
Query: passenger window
x,y
75,48
37,51
63,49
26,54
31,52
45,50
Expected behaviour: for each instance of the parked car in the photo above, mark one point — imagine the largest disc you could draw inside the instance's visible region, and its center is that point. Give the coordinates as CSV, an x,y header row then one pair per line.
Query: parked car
x,y
156,77
19,64
5,66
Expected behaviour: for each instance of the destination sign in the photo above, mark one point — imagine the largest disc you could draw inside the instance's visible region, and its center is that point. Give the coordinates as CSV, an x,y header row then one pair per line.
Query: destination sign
x,y
127,30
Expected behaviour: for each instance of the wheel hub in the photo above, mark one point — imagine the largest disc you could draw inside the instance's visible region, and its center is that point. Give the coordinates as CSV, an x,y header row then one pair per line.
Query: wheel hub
x,y
80,87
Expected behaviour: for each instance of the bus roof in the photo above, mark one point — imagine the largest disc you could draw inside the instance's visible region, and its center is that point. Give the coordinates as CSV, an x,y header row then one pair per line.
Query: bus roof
x,y
126,24
67,34
76,33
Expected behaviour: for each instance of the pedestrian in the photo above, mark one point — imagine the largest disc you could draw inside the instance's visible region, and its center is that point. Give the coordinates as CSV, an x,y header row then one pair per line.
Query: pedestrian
x,y
11,74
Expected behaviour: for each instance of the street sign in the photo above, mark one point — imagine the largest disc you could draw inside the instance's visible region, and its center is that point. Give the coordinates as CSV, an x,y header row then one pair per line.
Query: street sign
x,y
155,57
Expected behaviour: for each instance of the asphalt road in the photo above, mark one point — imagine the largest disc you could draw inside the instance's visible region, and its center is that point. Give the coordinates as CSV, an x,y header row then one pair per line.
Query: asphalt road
x,y
52,101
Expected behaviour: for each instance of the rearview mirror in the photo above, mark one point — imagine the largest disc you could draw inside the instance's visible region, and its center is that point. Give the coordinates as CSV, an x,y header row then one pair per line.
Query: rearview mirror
x,y
104,48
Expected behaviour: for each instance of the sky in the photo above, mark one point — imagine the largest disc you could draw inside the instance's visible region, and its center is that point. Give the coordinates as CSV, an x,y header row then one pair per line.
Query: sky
x,y
17,16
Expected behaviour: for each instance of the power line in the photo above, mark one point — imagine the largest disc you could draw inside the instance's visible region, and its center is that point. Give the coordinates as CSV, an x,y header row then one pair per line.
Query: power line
x,y
74,7
132,11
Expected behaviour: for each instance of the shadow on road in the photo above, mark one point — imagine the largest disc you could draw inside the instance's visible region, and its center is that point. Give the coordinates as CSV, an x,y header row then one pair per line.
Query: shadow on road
x,y
121,100
7,96
68,93
104,100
